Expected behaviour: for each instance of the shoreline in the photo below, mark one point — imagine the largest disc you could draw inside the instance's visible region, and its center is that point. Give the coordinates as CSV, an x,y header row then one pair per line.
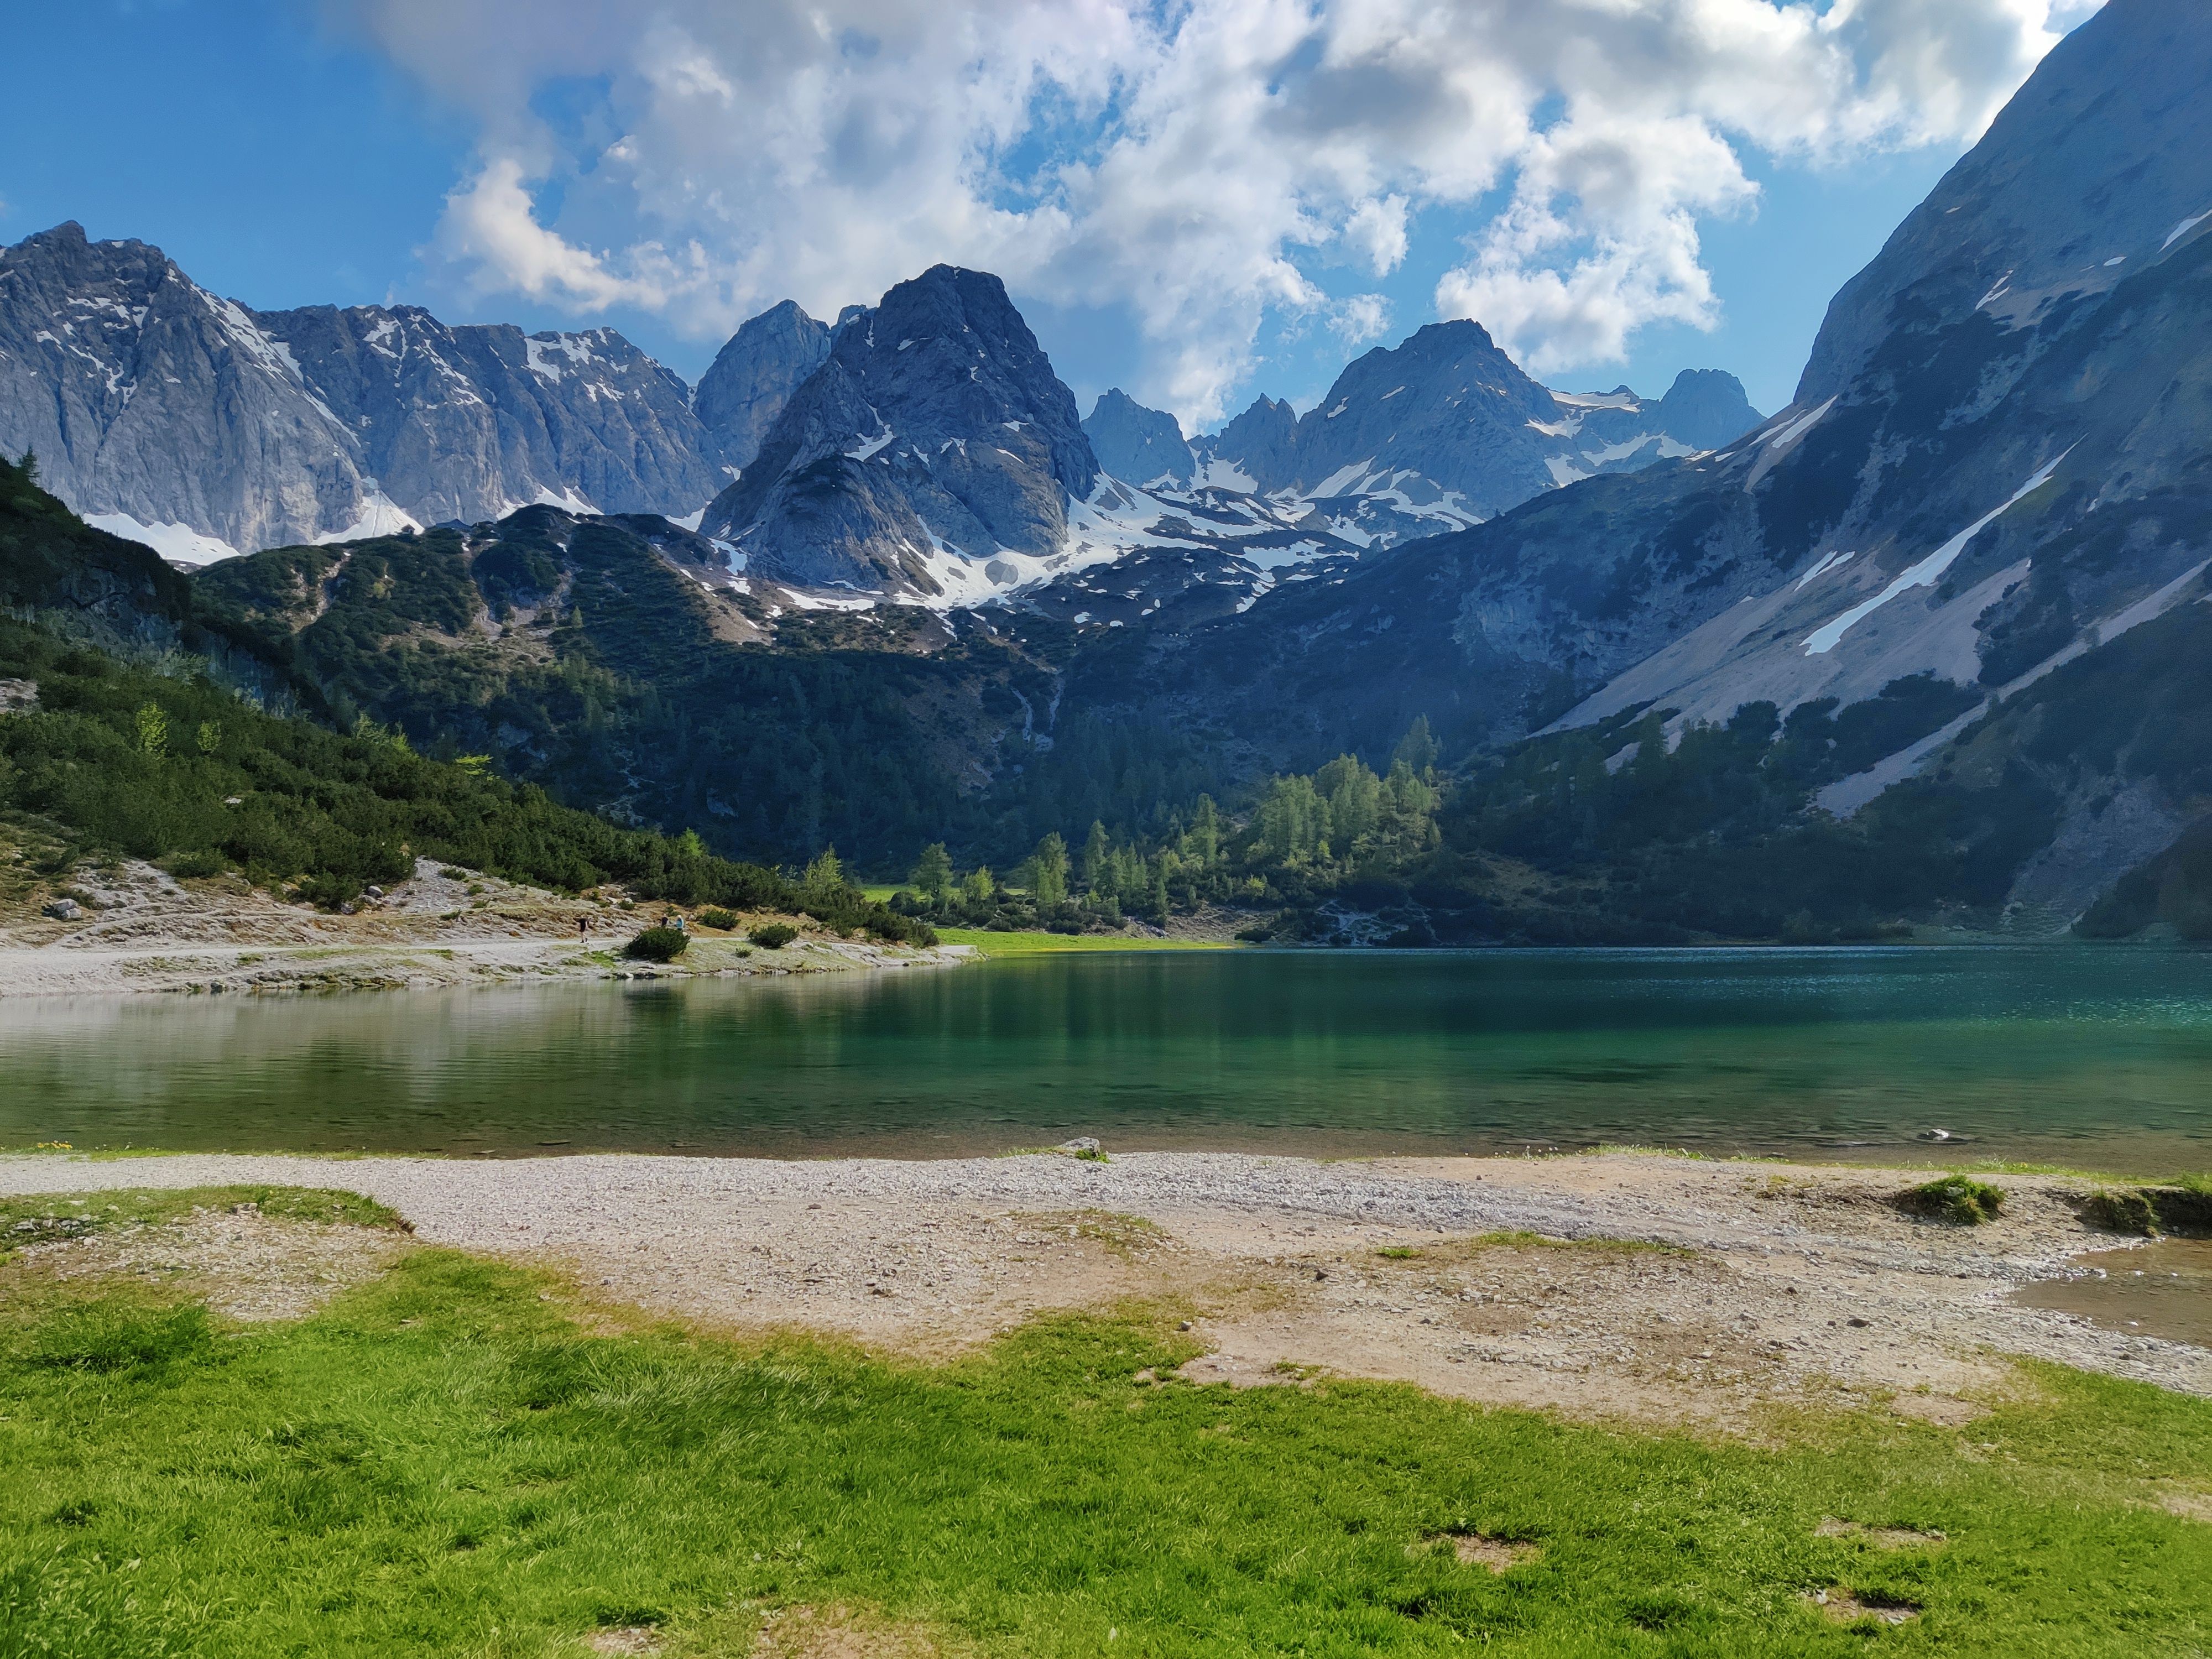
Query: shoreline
x,y
140,931
1616,1285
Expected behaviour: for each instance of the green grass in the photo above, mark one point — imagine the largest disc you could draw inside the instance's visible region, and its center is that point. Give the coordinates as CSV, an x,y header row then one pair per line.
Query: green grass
x,y
39,1219
1037,945
441,1463
1955,1197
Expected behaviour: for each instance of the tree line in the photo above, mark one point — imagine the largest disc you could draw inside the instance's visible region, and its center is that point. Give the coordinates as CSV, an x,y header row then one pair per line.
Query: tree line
x,y
1303,831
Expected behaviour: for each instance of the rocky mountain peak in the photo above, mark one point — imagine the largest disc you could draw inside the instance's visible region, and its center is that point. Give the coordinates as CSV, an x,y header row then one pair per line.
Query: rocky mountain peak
x,y
158,409
1705,409
753,376
934,445
163,412
1137,444
1258,445
2093,170
1444,430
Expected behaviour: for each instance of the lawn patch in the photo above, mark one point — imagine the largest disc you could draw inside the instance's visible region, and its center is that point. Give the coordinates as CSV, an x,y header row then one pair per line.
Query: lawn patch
x,y
440,1454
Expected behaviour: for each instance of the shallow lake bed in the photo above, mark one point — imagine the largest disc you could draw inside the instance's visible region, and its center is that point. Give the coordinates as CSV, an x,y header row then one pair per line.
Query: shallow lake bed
x,y
2075,1056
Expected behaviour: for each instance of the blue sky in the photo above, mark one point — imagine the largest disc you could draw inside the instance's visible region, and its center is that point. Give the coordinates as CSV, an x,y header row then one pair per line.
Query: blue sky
x,y
1198,203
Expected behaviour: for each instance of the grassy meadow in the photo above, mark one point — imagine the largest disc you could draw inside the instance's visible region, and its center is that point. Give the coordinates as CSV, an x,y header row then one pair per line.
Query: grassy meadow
x,y
460,1458
991,943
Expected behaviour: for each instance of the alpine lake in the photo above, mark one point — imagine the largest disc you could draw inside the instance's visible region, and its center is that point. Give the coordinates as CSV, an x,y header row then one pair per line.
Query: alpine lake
x,y
2078,1056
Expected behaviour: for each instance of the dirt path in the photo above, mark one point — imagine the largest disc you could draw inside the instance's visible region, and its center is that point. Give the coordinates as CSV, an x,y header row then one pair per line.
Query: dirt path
x,y
1623,1285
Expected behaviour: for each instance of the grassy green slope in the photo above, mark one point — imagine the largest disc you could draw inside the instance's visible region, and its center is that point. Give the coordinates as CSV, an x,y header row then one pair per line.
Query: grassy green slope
x,y
442,1463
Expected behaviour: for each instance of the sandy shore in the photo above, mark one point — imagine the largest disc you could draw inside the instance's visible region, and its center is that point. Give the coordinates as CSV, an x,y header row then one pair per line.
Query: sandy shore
x,y
1775,1284
141,931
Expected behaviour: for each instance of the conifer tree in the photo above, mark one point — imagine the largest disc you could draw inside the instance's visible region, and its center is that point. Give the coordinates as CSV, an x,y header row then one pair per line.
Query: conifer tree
x,y
1097,860
933,872
1048,873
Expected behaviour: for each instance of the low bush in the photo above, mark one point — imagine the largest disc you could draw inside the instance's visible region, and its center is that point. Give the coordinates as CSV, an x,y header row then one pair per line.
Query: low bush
x,y
203,861
2128,1209
658,945
2181,1206
1957,1199
773,936
720,920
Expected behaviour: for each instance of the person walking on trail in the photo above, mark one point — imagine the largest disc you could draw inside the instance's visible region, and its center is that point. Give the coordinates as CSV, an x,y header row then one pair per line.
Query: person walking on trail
x,y
583,927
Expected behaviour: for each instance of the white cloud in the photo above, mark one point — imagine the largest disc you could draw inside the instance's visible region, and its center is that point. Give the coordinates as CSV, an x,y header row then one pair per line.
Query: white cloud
x,y
1206,165
1601,238
1377,233
1362,318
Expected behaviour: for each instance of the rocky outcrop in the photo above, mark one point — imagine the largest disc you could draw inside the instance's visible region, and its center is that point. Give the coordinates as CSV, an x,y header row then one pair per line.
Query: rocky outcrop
x,y
745,388
1256,451
933,452
150,401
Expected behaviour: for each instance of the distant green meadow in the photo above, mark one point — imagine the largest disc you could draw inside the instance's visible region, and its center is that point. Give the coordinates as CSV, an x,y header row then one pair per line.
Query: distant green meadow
x,y
445,1461
993,944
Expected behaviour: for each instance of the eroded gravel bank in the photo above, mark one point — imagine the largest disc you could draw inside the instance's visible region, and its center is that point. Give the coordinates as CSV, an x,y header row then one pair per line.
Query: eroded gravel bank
x,y
1776,1283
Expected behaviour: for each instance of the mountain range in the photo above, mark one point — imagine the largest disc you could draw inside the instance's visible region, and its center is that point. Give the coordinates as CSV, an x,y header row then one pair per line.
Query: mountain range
x,y
1439,433
859,457
1995,472
1930,647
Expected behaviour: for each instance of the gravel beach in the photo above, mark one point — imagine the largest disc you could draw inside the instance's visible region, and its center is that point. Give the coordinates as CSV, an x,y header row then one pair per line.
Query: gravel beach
x,y
1524,1281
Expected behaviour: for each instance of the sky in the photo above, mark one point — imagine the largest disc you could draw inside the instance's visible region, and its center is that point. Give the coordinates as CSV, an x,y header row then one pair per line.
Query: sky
x,y
1199,201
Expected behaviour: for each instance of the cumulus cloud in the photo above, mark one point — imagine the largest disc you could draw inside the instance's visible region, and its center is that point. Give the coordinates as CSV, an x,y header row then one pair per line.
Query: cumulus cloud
x,y
1208,166
1600,237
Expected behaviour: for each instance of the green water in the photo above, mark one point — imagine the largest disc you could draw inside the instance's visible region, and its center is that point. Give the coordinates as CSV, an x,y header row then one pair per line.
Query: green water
x,y
2084,1056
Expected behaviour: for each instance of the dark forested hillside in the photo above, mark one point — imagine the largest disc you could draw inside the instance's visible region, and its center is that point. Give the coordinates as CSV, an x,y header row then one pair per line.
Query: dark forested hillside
x,y
141,750
589,655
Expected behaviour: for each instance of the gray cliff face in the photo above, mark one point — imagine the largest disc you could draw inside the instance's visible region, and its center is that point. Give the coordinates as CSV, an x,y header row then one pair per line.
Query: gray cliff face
x,y
1260,444
471,422
2083,177
752,378
151,402
1138,445
933,451
1447,404
1998,496
146,398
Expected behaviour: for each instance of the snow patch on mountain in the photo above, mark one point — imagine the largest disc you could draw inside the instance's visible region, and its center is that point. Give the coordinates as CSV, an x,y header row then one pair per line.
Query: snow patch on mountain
x,y
1928,572
178,544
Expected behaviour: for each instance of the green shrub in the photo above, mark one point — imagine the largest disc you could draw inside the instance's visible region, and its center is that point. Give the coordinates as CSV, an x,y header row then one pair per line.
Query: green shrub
x,y
658,945
327,891
1959,1198
2129,1209
773,936
720,920
203,861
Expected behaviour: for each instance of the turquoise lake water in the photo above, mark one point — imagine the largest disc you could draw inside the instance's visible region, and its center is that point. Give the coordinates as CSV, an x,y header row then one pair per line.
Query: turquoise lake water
x,y
2075,1056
